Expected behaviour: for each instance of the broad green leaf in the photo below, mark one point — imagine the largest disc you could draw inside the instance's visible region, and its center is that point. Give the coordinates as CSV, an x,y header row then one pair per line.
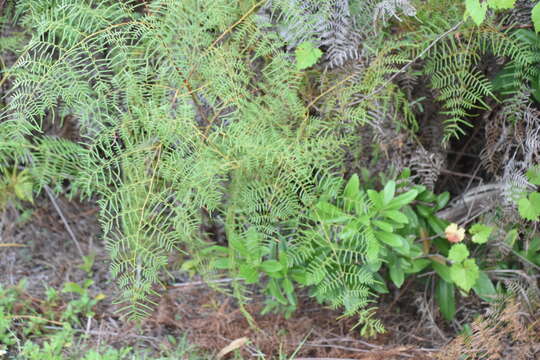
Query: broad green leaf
x,y
236,243
511,237
535,91
534,198
372,250
533,174
527,210
442,199
480,233
476,10
419,265
73,287
465,274
411,217
458,253
397,216
375,198
445,296
329,213
401,200
388,192
223,263
484,288
284,259
249,273
271,266
307,55
396,274
383,225
273,286
405,248
424,210
373,266
390,239
351,193
288,286
300,276
438,225
501,4
87,283
535,17
442,270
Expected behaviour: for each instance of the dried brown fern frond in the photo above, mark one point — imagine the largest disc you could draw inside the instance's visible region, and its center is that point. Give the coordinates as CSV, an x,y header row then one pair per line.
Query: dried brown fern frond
x,y
507,331
496,134
426,166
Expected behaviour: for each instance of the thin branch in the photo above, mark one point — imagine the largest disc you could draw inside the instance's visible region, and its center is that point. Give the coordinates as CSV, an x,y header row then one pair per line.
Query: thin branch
x,y
230,28
64,220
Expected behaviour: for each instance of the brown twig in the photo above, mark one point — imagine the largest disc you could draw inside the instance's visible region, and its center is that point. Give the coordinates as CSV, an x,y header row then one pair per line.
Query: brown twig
x,y
449,172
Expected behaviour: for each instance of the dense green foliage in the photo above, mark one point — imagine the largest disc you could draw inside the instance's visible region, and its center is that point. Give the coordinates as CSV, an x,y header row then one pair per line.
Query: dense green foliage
x,y
187,115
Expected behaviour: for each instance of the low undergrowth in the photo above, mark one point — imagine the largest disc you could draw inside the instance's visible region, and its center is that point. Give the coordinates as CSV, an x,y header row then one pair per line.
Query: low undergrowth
x,y
347,151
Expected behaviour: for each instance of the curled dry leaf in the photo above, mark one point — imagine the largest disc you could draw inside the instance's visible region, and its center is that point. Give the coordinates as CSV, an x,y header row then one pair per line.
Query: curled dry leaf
x,y
235,344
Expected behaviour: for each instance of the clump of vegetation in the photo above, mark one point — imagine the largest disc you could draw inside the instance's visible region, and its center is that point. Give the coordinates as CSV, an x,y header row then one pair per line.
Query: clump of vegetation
x,y
317,145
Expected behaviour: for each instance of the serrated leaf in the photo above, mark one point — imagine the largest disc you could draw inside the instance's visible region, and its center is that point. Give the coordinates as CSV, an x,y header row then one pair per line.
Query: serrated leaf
x,y
476,10
480,233
533,174
307,55
527,210
458,253
465,274
534,198
535,17
501,4
445,296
